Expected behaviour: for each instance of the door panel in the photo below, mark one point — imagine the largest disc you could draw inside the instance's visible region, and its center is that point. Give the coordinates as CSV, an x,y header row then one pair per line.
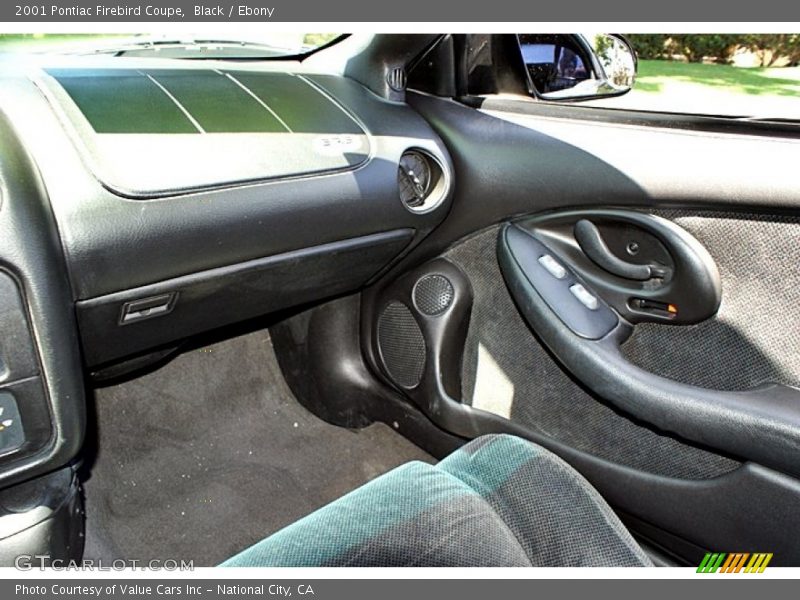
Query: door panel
x,y
761,424
683,497
690,490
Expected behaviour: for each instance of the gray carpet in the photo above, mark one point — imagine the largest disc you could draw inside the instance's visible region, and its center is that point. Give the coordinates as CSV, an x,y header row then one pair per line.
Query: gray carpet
x,y
211,453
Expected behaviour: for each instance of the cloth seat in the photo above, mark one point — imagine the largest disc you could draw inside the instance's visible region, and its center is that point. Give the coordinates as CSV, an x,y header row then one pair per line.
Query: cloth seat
x,y
497,501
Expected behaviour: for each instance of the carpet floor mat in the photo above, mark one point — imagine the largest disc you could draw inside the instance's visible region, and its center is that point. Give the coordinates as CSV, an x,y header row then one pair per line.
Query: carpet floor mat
x,y
211,453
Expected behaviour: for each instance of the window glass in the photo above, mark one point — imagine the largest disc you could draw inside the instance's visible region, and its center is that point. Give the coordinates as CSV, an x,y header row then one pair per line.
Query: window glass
x,y
733,75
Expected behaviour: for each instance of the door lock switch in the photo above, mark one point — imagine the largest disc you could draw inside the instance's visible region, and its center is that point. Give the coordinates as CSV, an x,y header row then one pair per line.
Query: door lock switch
x,y
584,296
551,266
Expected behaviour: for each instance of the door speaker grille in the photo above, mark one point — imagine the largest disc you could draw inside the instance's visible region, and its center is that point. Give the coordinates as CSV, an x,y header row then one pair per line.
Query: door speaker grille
x,y
433,295
401,345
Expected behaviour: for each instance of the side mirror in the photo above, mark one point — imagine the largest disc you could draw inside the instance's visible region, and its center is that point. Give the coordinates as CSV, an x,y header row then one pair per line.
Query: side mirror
x,y
564,67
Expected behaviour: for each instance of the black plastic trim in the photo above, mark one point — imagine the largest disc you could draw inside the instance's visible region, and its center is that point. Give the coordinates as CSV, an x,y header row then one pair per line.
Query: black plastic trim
x,y
42,520
594,246
208,299
663,120
688,276
444,332
30,250
530,164
319,352
591,324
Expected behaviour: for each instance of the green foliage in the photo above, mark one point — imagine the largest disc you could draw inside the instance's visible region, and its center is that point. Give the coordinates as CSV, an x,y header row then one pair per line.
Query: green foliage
x,y
649,45
768,48
696,47
771,48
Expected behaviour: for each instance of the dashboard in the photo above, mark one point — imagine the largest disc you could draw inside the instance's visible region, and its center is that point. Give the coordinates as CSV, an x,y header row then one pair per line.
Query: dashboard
x,y
144,201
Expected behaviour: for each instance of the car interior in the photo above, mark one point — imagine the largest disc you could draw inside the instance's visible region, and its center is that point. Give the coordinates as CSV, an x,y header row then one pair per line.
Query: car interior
x,y
400,300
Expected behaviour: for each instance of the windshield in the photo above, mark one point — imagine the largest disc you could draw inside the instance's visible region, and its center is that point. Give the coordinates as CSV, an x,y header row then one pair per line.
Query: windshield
x,y
183,45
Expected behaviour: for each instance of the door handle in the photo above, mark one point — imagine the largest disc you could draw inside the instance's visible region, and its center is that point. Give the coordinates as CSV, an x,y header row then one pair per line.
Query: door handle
x,y
591,242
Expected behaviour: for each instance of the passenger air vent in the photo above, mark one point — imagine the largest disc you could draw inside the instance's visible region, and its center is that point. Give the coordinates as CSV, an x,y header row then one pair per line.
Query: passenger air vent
x,y
420,181
396,78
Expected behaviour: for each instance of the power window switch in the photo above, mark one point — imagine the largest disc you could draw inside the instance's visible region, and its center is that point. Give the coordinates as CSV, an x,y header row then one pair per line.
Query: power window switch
x,y
551,266
12,436
584,296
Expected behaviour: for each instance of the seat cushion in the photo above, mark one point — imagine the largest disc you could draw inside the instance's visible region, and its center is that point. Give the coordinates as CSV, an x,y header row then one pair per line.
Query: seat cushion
x,y
498,501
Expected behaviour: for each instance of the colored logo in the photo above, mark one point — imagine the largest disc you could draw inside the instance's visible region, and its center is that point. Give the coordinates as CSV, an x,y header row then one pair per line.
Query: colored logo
x,y
737,562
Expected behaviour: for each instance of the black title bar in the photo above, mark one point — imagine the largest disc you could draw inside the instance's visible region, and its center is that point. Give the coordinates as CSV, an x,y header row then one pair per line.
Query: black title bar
x,y
472,11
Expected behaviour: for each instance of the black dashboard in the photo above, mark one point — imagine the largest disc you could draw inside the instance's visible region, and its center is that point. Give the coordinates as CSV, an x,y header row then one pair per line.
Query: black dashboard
x,y
145,201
